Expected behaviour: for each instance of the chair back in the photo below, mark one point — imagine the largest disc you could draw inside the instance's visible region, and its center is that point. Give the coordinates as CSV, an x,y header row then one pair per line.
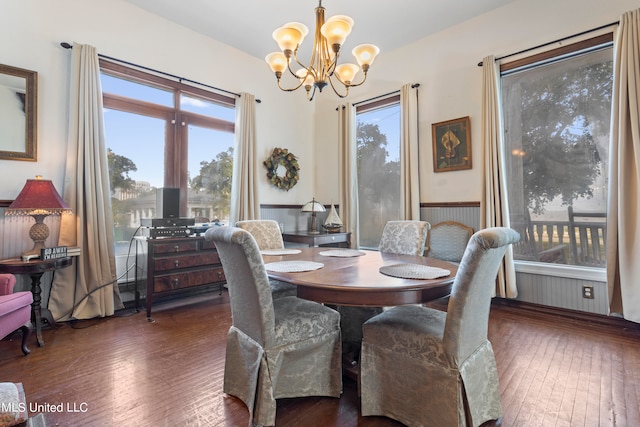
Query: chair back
x,y
588,236
473,287
447,240
404,237
248,283
266,232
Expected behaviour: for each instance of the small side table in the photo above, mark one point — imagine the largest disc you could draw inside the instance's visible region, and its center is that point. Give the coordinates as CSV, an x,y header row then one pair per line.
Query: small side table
x,y
35,268
319,239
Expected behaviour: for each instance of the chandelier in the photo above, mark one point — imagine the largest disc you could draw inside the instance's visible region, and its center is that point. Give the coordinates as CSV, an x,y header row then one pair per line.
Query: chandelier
x,y
323,68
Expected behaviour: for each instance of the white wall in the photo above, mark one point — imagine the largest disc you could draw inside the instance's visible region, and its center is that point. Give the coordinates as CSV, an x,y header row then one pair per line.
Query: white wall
x,y
31,32
445,65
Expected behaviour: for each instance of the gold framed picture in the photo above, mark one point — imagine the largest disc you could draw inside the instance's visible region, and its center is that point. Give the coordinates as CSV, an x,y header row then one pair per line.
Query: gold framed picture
x,y
451,145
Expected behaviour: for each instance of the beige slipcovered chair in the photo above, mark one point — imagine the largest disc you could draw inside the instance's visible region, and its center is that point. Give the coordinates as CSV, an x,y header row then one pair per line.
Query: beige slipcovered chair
x,y
276,348
447,241
425,367
404,237
398,237
268,236
266,232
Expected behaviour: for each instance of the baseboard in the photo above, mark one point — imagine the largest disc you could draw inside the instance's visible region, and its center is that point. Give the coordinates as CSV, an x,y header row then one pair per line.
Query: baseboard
x,y
579,316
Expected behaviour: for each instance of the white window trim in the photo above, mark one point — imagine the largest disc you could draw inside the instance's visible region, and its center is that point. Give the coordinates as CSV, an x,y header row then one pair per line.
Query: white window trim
x,y
560,270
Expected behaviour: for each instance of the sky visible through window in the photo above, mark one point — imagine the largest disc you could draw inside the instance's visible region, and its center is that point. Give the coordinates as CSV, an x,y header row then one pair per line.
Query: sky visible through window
x,y
141,139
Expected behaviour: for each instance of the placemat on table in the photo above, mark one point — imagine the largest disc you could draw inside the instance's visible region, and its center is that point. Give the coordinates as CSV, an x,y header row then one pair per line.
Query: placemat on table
x,y
413,271
345,253
280,251
293,266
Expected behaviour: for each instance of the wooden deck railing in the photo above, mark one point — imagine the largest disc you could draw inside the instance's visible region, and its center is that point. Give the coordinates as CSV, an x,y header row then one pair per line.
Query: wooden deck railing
x,y
586,246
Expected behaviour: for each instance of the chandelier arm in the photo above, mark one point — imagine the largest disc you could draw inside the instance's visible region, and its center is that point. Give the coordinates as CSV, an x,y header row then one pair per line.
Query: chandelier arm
x,y
295,58
291,89
310,98
364,79
336,90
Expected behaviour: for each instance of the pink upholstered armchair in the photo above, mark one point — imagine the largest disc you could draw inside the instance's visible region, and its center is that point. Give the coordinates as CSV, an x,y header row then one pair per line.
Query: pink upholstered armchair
x,y
15,310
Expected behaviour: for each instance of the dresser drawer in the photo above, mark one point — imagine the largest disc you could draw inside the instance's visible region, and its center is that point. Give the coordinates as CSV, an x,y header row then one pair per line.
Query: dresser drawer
x,y
170,266
174,281
175,247
186,261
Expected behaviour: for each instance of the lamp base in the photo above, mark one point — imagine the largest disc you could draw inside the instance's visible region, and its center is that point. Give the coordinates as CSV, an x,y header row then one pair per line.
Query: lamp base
x,y
313,232
38,233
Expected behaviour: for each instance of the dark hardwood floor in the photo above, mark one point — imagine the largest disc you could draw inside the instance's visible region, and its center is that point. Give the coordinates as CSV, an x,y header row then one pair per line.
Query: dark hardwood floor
x,y
126,371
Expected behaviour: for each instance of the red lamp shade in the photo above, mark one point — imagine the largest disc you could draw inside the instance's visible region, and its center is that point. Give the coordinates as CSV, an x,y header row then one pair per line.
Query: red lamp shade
x,y
39,199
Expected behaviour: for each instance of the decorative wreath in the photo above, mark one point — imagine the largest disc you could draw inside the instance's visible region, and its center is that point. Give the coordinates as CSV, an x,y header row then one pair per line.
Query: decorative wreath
x,y
282,156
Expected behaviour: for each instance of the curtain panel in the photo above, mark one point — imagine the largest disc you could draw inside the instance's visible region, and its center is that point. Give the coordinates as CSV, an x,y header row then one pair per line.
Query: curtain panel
x,y
89,288
494,203
244,187
409,153
348,170
623,220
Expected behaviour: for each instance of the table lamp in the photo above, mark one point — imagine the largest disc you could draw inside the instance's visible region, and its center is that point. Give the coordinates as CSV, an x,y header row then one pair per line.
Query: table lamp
x,y
313,207
39,199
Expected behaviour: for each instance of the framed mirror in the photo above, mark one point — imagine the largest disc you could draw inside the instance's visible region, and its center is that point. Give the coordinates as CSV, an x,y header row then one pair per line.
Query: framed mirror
x,y
18,110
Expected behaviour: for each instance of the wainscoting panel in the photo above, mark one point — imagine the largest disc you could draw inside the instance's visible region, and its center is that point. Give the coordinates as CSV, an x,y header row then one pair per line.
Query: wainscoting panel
x,y
468,215
291,217
562,292
14,235
540,289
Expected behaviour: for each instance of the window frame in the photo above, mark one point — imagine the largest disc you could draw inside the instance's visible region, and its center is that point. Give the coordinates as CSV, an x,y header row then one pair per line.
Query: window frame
x,y
176,151
601,41
368,106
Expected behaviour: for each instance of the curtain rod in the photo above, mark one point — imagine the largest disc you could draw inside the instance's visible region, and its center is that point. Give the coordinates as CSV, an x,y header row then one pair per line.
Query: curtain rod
x,y
555,41
413,86
180,79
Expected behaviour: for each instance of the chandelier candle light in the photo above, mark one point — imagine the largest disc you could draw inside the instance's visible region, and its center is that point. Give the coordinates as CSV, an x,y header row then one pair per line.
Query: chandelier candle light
x,y
323,68
39,199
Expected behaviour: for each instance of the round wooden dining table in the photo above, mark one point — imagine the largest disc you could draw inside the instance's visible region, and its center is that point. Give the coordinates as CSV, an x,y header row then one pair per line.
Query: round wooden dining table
x,y
357,281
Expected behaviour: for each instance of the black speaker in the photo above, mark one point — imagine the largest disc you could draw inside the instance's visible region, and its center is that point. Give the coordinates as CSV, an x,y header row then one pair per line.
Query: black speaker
x,y
168,203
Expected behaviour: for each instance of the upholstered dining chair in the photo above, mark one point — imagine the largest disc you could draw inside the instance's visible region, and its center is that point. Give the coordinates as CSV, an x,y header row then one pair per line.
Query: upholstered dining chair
x,y
266,232
276,348
398,237
425,367
404,237
269,236
447,241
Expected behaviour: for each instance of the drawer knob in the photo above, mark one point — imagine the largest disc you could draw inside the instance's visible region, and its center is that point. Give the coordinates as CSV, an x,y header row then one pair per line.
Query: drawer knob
x,y
176,248
176,282
176,263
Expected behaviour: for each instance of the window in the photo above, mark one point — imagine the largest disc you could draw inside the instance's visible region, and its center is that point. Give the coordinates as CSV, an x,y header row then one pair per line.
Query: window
x,y
378,139
163,133
556,110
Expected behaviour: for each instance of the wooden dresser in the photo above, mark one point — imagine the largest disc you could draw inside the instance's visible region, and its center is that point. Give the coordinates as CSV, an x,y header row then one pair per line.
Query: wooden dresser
x,y
168,266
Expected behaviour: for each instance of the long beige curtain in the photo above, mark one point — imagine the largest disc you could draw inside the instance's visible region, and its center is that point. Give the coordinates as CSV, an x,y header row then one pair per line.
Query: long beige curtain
x,y
244,194
348,174
89,288
409,147
494,206
623,218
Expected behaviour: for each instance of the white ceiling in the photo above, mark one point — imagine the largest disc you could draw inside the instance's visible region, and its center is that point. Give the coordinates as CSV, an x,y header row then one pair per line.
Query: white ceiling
x,y
248,24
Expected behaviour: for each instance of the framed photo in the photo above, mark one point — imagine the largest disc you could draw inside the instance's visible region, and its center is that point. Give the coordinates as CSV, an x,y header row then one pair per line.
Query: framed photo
x,y
451,145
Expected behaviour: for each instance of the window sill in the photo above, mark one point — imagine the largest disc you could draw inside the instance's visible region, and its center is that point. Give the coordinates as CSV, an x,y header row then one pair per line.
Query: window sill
x,y
561,270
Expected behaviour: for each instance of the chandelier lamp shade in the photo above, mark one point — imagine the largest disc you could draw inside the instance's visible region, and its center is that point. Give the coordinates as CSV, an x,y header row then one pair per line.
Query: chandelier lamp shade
x,y
323,68
39,199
